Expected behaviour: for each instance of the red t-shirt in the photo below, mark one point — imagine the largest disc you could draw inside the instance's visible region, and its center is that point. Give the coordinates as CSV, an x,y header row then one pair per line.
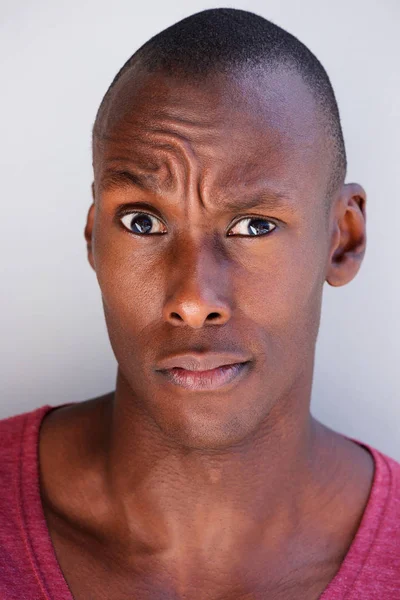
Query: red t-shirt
x,y
28,565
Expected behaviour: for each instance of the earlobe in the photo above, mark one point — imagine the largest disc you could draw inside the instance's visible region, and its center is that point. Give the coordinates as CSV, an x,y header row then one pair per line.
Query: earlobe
x,y
88,232
348,235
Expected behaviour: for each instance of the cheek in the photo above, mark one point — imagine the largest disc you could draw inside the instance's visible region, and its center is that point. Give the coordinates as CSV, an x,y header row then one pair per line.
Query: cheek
x,y
131,297
131,281
282,291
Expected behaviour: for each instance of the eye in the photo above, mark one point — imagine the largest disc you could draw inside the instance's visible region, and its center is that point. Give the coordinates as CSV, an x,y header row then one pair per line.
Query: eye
x,y
252,226
142,223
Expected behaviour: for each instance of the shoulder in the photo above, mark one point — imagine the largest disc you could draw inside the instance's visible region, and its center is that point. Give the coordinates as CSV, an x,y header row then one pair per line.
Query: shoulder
x,y
18,440
380,530
18,443
12,430
386,485
383,509
388,491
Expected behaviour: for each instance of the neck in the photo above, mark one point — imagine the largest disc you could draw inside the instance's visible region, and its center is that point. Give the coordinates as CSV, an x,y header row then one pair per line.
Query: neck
x,y
167,494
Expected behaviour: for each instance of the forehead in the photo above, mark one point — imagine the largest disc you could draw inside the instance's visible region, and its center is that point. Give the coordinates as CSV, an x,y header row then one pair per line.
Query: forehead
x,y
233,129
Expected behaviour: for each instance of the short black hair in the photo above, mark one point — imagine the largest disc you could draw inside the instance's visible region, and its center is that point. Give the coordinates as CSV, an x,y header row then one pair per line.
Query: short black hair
x,y
227,39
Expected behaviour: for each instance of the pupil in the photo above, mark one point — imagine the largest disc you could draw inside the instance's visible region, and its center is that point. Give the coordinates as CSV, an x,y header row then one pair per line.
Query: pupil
x,y
142,223
258,226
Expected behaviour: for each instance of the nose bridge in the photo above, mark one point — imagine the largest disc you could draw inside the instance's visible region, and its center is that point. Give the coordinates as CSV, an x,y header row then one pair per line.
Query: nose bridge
x,y
197,279
198,290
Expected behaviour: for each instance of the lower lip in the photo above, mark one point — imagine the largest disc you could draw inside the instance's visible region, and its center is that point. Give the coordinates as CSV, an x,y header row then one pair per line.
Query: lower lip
x,y
204,380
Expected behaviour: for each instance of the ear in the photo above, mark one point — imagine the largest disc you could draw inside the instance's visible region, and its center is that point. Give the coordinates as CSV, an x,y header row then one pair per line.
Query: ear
x,y
88,232
348,235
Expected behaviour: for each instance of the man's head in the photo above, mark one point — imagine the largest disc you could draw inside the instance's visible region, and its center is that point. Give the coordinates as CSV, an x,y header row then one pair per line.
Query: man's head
x,y
219,211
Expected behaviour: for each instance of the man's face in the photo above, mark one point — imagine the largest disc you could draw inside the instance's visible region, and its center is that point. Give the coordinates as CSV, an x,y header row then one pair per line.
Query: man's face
x,y
231,253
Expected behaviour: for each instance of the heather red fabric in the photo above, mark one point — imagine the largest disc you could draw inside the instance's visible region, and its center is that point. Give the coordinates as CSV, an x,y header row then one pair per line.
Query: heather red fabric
x,y
28,565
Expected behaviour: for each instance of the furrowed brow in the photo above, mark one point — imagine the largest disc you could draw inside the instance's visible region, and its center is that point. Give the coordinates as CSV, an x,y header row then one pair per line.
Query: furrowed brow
x,y
113,179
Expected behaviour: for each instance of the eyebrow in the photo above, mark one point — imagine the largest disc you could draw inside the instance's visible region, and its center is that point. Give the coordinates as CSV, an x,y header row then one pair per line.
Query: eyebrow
x,y
266,198
117,178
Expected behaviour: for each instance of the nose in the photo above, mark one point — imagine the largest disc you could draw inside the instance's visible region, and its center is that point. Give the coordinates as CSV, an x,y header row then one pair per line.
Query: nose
x,y
198,290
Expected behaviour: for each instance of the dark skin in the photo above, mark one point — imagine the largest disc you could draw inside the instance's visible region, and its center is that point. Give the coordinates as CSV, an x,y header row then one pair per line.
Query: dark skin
x,y
155,491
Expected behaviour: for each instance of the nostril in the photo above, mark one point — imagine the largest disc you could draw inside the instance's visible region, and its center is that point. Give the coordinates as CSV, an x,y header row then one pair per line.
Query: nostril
x,y
175,315
213,315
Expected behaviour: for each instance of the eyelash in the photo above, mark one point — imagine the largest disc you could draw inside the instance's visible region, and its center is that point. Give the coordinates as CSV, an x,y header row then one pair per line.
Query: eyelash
x,y
248,217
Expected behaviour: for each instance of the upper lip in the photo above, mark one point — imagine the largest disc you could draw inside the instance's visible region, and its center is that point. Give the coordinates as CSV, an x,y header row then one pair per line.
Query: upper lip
x,y
200,362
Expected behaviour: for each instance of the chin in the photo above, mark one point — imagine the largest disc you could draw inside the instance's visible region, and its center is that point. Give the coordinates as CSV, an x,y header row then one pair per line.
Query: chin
x,y
208,423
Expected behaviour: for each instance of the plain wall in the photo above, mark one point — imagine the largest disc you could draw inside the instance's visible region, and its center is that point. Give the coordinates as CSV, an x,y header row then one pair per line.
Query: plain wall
x,y
56,62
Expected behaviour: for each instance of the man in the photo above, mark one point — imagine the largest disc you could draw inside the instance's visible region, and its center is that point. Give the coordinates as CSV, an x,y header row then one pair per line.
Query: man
x,y
219,211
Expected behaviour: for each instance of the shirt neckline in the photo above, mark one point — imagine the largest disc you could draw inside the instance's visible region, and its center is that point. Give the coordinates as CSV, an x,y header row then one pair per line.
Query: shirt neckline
x,y
42,552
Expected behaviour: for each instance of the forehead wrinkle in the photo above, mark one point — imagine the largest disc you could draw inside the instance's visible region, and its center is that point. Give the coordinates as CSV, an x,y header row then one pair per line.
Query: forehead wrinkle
x,y
183,148
236,195
194,186
117,172
123,172
140,170
170,138
241,197
116,178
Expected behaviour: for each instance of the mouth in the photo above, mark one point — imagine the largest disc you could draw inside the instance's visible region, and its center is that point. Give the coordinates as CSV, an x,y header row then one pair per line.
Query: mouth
x,y
204,380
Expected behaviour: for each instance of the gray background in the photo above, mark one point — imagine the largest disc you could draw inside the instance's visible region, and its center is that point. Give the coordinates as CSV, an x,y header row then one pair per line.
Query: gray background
x,y
56,61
